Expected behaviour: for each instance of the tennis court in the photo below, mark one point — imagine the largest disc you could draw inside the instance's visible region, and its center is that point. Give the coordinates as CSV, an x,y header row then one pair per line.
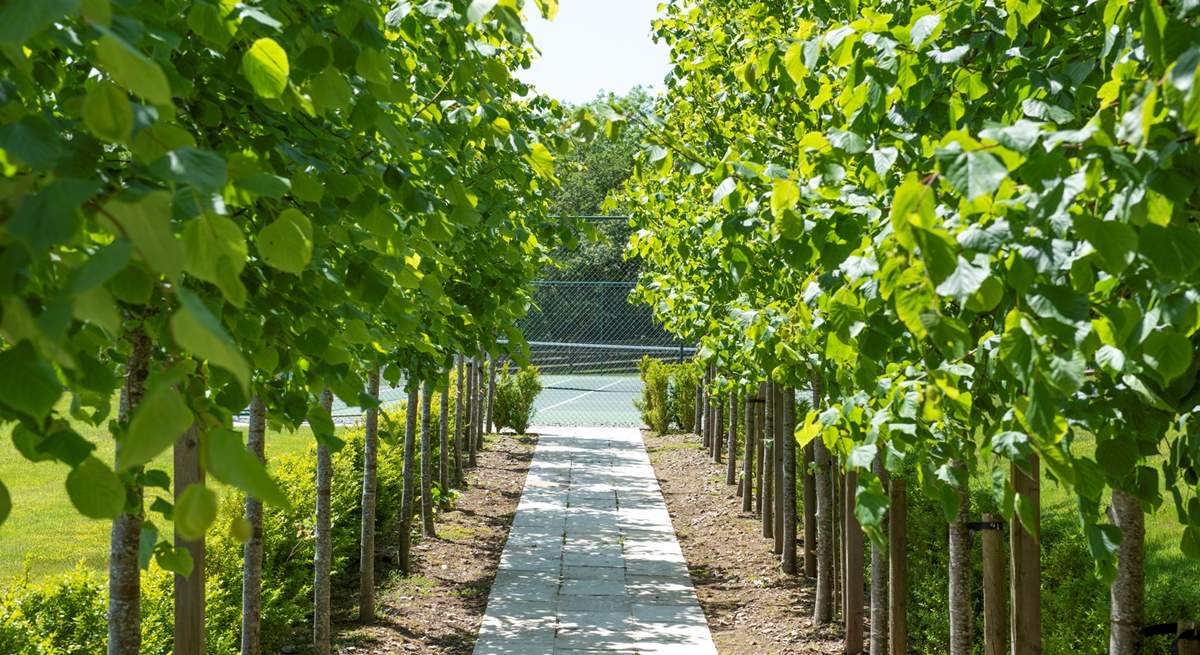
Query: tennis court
x,y
588,399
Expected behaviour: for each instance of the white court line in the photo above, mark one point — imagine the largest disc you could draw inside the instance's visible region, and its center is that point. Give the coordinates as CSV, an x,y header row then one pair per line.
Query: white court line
x,y
586,393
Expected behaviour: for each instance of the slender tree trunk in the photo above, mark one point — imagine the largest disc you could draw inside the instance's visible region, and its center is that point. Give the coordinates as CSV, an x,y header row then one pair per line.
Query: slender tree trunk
x,y
706,424
823,606
480,408
898,569
427,463
760,445
768,464
124,574
323,553
252,552
471,413
491,395
787,442
854,568
748,451
366,551
1127,595
698,420
732,441
719,429
780,497
444,442
406,494
810,494
961,613
879,575
189,591
459,427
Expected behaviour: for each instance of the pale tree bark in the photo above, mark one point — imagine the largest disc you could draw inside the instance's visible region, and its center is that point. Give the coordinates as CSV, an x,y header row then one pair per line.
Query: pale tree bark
x,y
471,410
366,543
879,576
124,574
444,441
823,606
480,404
323,551
460,391
698,419
427,462
706,409
767,479
961,614
732,441
189,591
748,452
252,551
1127,595
787,443
760,441
406,495
491,394
718,429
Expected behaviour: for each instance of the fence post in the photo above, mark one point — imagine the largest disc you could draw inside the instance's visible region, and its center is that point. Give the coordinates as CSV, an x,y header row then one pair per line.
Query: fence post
x,y
854,570
1189,637
995,611
189,591
897,568
1026,566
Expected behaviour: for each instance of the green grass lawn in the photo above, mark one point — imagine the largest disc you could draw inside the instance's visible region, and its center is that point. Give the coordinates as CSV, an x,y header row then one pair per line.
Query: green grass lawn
x,y
45,533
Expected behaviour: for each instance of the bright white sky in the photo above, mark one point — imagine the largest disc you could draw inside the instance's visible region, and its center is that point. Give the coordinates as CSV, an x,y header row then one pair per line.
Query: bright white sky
x,y
595,45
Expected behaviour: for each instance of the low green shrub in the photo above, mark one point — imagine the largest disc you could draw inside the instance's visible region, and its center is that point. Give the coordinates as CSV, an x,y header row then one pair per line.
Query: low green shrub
x,y
685,378
654,404
65,616
515,393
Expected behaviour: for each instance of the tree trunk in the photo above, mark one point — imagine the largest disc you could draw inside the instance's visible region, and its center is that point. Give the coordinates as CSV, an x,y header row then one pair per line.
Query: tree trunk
x,y
459,427
323,551
427,463
706,413
732,441
189,591
879,575
897,568
470,409
1026,625
698,420
406,494
854,568
491,394
748,452
124,574
366,550
760,445
768,464
960,578
823,606
787,442
718,443
780,496
252,552
480,409
444,442
1127,595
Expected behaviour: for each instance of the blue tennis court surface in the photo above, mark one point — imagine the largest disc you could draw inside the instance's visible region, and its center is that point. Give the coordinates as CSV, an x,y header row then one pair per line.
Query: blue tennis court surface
x,y
588,400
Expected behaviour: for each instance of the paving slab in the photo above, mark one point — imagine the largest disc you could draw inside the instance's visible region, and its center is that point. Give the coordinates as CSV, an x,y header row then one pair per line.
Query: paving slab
x,y
592,565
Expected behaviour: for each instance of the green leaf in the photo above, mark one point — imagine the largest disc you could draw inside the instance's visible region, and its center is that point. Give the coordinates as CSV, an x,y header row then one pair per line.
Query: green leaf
x,y
228,460
147,223
972,173
1154,27
29,383
286,244
132,69
265,66
549,8
479,9
966,279
95,490
1115,242
22,19
176,560
912,198
213,243
541,160
51,216
785,195
1189,543
107,113
158,421
195,511
197,331
923,28
330,91
147,540
1168,353
202,169
205,20
1170,250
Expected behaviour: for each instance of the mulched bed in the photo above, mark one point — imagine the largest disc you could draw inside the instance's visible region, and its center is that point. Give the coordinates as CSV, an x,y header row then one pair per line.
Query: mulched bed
x,y
751,607
437,610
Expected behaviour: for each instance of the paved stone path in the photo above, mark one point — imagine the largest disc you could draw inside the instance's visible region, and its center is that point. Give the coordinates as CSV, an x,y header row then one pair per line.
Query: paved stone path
x,y
592,565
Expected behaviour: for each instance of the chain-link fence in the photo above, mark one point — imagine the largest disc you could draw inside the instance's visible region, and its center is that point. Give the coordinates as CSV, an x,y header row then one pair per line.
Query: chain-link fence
x,y
587,337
